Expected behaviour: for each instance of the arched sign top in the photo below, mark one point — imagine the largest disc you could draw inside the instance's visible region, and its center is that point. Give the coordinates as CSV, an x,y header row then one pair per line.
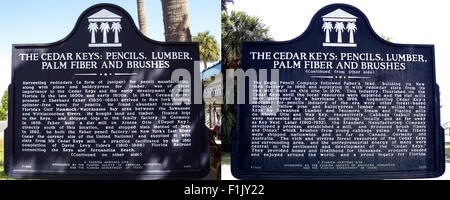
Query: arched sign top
x,y
340,25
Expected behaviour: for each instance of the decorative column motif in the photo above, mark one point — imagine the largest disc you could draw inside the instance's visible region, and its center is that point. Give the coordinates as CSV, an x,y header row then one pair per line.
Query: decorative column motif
x,y
342,21
109,22
116,27
339,27
104,27
327,27
351,28
93,27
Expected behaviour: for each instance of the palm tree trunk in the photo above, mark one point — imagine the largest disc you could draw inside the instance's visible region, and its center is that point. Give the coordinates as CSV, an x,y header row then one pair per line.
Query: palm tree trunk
x,y
205,64
327,36
142,17
176,20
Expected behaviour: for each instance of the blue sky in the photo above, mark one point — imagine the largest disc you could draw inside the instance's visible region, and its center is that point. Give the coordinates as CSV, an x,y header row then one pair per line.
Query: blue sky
x,y
33,21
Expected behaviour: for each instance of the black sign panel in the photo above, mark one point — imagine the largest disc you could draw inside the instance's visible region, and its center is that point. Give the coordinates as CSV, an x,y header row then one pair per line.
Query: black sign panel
x,y
98,105
348,104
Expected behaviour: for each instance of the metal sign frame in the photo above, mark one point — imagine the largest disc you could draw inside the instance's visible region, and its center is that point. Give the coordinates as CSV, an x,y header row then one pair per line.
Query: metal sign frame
x,y
312,40
200,142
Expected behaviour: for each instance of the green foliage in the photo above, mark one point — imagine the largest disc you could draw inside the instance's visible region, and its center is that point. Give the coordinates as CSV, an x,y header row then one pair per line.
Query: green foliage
x,y
2,171
228,122
3,114
208,47
237,27
1,153
224,4
226,158
4,106
3,174
3,110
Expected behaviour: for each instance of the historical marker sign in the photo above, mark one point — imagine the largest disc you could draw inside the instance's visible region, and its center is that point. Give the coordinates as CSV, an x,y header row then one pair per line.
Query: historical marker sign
x,y
348,104
98,104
